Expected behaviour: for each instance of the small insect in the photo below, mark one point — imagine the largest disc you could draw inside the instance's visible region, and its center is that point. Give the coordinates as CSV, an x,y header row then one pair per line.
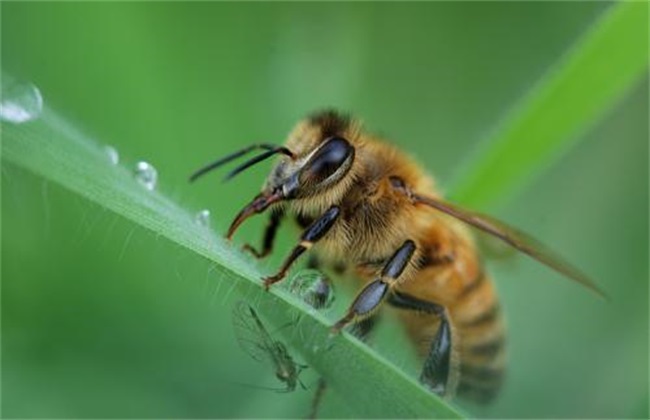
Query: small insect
x,y
254,338
371,211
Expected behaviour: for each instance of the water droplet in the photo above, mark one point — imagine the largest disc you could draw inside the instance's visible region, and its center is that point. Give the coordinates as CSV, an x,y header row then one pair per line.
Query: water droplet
x,y
202,218
21,102
313,288
112,154
146,175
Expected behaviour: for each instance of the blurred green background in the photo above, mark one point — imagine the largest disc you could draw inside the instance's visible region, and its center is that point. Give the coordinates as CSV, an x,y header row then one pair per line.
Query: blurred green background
x,y
103,319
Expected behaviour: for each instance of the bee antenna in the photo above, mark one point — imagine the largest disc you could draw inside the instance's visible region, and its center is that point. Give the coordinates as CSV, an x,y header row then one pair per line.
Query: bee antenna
x,y
213,165
258,159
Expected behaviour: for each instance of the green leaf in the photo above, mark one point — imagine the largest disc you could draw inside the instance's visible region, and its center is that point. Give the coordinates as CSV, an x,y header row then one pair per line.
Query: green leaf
x,y
589,80
52,149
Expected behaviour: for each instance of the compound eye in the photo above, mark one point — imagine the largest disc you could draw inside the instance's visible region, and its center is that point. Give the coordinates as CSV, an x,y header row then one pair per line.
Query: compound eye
x,y
329,158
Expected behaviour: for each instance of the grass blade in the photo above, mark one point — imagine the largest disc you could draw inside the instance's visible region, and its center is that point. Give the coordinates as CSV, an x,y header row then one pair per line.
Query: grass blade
x,y
595,74
54,150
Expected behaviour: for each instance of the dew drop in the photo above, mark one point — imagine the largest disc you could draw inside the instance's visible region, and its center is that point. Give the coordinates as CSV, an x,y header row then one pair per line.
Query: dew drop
x,y
113,155
146,175
202,218
313,288
21,102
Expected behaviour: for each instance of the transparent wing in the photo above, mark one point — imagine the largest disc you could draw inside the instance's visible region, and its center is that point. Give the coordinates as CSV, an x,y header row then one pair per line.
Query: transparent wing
x,y
251,333
513,237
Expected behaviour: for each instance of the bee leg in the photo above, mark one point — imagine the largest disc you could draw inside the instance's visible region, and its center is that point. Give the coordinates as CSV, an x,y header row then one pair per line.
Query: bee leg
x,y
437,369
269,236
311,235
375,292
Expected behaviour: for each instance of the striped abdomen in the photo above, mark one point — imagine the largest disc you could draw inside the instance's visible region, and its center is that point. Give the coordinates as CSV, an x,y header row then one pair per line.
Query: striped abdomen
x,y
478,334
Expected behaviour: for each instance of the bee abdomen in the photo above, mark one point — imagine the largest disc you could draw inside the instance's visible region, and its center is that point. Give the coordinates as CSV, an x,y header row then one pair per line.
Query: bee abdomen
x,y
482,368
480,384
481,341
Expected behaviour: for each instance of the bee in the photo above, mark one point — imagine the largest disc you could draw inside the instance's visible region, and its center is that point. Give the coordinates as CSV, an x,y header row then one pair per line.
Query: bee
x,y
369,210
255,339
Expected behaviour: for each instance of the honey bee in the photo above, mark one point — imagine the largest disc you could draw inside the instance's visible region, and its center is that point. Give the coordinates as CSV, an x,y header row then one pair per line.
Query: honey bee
x,y
368,208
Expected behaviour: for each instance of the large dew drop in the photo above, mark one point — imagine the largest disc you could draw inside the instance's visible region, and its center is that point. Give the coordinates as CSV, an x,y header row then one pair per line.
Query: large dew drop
x,y
21,102
313,288
146,175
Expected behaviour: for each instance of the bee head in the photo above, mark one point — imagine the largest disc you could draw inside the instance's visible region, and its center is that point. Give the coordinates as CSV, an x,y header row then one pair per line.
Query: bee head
x,y
314,165
323,156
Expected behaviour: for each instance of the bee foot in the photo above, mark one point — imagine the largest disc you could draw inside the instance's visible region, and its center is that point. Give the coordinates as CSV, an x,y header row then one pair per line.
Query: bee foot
x,y
268,281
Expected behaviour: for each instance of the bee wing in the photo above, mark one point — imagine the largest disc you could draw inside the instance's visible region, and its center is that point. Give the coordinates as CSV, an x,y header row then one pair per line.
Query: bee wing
x,y
513,237
251,333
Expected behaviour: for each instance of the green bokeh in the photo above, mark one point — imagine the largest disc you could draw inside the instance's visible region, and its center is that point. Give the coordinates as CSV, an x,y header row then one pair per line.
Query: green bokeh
x,y
102,319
